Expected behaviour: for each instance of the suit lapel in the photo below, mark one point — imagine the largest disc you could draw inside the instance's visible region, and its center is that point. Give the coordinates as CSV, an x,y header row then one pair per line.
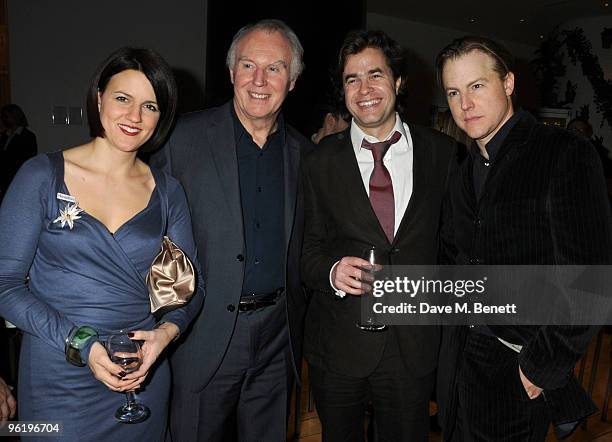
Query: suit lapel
x,y
467,183
220,139
291,163
349,175
421,168
515,140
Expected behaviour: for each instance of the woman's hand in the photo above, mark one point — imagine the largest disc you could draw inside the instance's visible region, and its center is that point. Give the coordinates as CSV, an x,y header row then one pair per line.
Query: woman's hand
x,y
155,341
8,405
111,375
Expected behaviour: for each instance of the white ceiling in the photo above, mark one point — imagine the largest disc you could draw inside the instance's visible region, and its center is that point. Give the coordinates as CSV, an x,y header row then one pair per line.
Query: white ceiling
x,y
495,18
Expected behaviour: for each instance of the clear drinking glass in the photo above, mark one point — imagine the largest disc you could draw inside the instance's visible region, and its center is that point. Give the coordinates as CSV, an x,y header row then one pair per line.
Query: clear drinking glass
x,y
369,274
127,353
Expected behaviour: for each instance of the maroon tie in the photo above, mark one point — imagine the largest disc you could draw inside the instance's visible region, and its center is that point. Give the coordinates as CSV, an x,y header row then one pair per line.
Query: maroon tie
x,y
381,188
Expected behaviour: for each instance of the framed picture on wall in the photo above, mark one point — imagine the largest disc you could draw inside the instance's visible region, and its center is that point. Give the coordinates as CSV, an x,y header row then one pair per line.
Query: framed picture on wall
x,y
554,117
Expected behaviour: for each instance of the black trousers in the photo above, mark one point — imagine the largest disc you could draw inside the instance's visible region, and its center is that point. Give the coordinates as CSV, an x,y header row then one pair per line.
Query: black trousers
x,y
399,399
247,398
492,404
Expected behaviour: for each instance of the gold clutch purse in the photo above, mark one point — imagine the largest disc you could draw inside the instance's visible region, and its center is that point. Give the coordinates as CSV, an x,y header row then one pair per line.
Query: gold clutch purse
x,y
171,279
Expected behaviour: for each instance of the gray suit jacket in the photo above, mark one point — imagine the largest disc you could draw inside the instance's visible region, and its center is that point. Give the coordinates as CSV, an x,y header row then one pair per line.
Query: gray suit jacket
x,y
201,153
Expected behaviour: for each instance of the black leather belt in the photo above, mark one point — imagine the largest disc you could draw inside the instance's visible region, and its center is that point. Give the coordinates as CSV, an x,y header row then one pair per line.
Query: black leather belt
x,y
253,301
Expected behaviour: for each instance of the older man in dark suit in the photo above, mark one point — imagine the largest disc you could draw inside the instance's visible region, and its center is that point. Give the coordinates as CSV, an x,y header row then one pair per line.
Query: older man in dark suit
x,y
378,183
239,164
527,194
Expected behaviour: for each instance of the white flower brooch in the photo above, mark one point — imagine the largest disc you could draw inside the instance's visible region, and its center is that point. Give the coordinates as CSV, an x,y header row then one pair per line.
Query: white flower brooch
x,y
68,215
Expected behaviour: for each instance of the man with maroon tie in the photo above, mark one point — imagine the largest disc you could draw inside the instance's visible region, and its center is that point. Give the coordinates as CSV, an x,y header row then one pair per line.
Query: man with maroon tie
x,y
378,183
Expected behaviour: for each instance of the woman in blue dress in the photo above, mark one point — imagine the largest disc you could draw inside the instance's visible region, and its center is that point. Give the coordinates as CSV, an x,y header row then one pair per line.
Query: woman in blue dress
x,y
79,230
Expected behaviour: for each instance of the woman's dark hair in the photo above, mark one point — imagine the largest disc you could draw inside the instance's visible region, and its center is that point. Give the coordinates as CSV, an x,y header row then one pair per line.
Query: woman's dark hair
x,y
157,71
358,40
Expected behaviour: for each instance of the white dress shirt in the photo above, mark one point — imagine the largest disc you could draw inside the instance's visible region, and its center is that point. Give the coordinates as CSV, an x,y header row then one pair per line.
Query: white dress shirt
x,y
399,162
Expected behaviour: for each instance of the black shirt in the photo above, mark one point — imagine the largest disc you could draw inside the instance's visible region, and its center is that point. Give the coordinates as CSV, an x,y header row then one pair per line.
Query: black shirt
x,y
481,165
261,192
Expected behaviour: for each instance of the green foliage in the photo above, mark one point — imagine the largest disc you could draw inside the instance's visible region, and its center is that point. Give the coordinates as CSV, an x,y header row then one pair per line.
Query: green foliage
x,y
549,66
579,48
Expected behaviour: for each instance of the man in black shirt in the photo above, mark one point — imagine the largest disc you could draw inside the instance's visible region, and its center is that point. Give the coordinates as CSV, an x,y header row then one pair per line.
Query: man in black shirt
x,y
239,164
527,194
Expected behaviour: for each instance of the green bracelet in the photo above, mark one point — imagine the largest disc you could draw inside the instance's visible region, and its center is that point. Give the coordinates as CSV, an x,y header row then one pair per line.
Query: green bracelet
x,y
76,341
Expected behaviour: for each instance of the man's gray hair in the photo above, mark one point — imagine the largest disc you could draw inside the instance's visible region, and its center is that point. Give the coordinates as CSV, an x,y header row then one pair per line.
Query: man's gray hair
x,y
271,25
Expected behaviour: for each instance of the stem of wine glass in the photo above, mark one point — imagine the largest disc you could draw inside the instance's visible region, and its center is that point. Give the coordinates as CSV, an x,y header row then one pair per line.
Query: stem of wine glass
x,y
130,399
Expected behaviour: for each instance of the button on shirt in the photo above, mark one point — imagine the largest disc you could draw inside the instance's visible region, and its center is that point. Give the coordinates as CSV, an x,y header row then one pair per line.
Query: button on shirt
x,y
261,192
398,160
482,165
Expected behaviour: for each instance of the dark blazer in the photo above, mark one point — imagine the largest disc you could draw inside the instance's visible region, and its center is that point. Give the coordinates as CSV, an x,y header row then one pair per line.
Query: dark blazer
x,y
544,201
340,222
201,153
21,148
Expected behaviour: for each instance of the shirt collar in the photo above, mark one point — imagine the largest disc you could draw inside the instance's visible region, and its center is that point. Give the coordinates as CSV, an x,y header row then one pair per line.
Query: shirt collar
x,y
357,136
240,130
498,139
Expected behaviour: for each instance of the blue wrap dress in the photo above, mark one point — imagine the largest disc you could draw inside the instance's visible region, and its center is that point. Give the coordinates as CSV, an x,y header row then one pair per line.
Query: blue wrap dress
x,y
84,276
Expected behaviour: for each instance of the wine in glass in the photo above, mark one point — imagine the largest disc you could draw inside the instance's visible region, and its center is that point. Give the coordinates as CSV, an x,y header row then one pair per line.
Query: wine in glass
x,y
369,275
127,353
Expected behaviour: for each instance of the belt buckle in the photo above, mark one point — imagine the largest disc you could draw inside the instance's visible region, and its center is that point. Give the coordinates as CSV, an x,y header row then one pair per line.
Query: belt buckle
x,y
247,304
